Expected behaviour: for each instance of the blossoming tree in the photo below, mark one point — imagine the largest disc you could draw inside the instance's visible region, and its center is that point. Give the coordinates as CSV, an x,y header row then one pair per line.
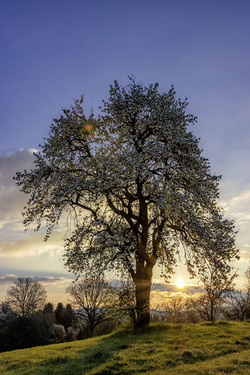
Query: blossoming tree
x,y
137,186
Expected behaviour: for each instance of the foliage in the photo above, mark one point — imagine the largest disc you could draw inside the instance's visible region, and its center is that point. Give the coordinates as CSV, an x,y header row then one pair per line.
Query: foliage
x,y
48,308
136,185
24,332
106,327
93,297
247,285
218,285
202,306
69,317
6,313
71,334
65,315
126,301
237,306
26,296
17,332
58,333
158,350
49,314
59,313
174,308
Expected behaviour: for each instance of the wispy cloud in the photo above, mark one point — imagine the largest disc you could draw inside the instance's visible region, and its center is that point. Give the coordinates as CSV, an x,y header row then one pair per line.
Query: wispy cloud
x,y
11,199
54,285
14,242
7,279
237,207
31,244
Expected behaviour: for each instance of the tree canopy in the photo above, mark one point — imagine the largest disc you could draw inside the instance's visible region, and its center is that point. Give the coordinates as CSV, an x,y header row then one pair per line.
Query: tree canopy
x,y
26,296
93,297
136,186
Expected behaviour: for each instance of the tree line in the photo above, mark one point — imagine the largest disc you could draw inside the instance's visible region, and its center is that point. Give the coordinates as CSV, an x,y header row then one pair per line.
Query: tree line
x,y
96,307
26,319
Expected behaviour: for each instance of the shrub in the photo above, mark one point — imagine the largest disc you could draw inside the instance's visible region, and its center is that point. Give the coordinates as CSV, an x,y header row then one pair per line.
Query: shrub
x,y
71,334
105,327
58,333
24,332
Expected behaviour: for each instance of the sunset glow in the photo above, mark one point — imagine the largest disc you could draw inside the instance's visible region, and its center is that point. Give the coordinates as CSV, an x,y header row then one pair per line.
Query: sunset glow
x,y
180,283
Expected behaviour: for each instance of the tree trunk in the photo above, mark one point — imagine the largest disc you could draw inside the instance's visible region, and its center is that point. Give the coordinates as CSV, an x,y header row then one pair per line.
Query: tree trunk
x,y
91,330
212,312
143,280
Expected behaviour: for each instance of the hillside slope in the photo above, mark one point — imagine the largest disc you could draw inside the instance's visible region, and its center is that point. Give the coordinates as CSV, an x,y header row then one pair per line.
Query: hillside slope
x,y
158,349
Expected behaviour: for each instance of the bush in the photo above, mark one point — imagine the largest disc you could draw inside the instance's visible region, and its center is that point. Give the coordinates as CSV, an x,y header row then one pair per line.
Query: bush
x,y
58,333
70,334
105,327
24,332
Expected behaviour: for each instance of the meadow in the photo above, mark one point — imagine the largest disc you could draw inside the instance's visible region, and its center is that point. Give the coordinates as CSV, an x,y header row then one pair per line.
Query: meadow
x,y
204,349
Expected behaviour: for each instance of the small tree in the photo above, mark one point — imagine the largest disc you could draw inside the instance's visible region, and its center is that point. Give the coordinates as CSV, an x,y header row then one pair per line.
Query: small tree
x,y
175,307
247,285
58,333
6,313
237,310
49,314
92,296
65,315
136,183
26,296
126,300
59,313
48,308
218,285
69,316
25,332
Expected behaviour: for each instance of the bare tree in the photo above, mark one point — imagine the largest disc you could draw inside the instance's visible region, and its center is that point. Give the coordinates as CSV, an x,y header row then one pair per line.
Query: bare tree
x,y
201,304
217,286
126,300
26,296
92,296
174,308
247,285
237,310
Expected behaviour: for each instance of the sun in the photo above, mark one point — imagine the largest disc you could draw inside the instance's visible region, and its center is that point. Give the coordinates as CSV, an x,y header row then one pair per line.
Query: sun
x,y
180,283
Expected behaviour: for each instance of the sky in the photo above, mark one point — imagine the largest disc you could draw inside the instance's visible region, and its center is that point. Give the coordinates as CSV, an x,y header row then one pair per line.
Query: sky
x,y
52,52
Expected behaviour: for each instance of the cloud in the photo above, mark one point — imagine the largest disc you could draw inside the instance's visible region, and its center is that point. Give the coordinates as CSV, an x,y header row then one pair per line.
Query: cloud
x,y
20,244
12,200
238,205
168,288
54,285
14,242
7,279
237,208
12,163
160,293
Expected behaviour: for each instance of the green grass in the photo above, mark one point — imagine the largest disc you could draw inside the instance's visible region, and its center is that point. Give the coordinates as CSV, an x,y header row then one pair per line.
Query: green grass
x,y
204,349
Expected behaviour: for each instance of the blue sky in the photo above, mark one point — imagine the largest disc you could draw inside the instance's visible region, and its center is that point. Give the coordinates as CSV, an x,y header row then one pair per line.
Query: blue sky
x,y
55,51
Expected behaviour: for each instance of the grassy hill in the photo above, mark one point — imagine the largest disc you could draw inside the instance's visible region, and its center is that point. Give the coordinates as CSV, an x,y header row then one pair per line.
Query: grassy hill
x,y
222,348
